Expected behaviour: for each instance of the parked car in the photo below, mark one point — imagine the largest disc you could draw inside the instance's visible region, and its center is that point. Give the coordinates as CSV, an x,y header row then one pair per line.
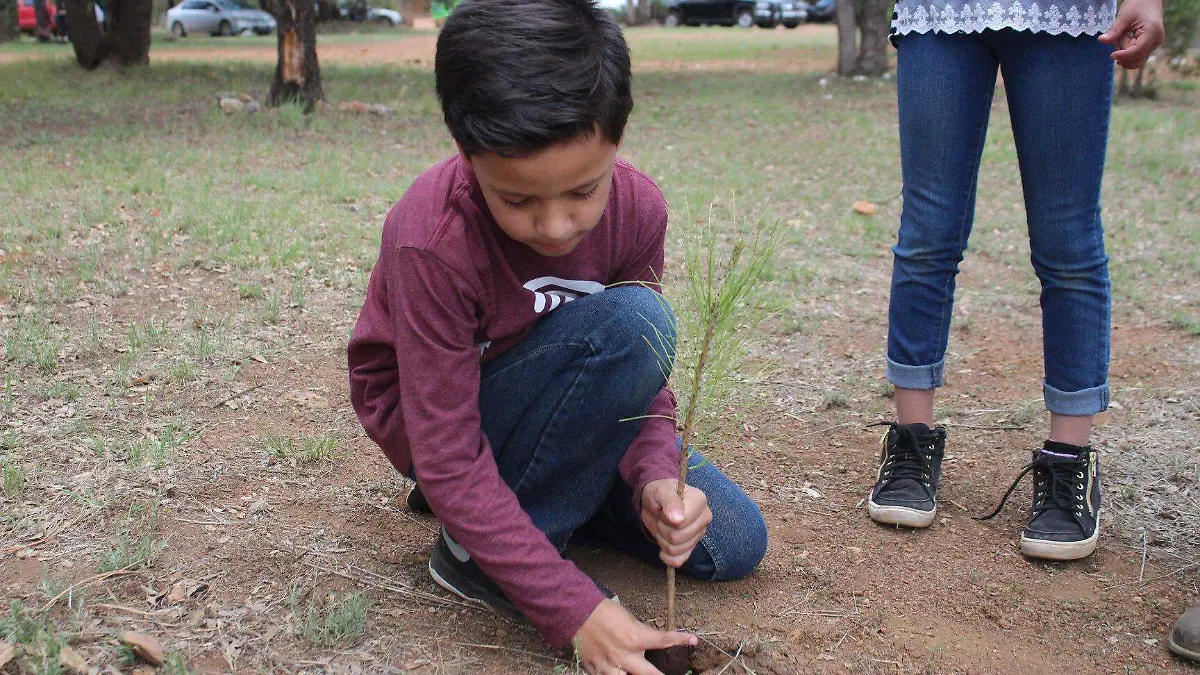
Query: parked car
x,y
743,13
708,12
218,17
790,13
359,10
27,18
821,10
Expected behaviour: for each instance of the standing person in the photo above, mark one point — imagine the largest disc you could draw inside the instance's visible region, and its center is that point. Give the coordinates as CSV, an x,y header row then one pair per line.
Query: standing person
x,y
1056,58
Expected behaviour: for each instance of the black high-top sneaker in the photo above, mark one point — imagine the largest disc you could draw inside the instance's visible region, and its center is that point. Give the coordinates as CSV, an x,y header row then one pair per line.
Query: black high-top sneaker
x,y
910,469
1065,521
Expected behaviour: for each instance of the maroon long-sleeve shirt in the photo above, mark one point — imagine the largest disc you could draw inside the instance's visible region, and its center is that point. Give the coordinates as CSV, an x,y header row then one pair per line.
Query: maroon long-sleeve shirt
x,y
451,291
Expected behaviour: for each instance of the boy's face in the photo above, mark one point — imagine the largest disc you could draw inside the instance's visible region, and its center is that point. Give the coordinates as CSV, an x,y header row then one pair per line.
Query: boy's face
x,y
551,199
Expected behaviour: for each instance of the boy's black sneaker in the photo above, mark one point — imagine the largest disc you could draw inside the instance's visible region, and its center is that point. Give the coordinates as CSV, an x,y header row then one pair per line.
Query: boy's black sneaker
x,y
910,469
1065,521
452,568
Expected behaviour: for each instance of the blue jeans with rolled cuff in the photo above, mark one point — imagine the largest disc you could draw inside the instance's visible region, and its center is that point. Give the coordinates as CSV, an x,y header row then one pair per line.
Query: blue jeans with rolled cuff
x,y
1059,91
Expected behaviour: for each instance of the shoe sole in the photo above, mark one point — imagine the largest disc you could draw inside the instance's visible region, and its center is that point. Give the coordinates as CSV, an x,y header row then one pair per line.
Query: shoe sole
x,y
1182,652
1060,550
900,515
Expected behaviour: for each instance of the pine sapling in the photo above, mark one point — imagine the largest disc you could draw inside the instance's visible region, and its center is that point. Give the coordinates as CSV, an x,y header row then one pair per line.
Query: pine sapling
x,y
723,300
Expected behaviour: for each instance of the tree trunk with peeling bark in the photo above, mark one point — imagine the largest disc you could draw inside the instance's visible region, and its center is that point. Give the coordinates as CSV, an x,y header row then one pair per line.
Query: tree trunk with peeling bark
x,y
863,29
847,34
124,41
297,72
874,26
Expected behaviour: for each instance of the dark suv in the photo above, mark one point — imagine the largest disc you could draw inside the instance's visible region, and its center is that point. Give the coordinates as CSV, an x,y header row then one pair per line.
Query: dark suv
x,y
708,12
744,13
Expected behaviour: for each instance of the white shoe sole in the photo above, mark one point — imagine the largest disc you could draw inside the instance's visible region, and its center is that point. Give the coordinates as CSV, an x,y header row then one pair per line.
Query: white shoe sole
x,y
1060,550
900,515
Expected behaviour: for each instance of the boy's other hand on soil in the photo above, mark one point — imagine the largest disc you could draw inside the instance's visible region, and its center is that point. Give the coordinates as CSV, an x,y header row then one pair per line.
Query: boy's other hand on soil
x,y
613,642
676,524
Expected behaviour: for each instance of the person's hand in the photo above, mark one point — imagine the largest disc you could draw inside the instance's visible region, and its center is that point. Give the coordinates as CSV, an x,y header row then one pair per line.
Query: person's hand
x,y
613,642
676,524
1136,33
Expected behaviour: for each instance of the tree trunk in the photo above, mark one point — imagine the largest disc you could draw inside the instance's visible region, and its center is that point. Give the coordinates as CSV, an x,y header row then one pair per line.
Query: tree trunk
x,y
126,41
645,11
8,20
631,12
847,49
1137,91
88,39
873,49
128,31
1123,83
297,73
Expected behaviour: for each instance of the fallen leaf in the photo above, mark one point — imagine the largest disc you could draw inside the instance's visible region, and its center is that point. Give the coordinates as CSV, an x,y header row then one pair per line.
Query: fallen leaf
x,y
177,594
141,381
865,208
146,647
72,660
7,651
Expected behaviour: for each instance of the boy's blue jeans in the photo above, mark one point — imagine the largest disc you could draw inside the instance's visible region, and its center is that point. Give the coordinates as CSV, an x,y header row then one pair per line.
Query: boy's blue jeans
x,y
552,408
1059,95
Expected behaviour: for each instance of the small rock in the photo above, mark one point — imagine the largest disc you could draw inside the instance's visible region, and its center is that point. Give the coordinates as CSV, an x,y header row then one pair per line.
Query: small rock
x,y
253,106
259,505
380,110
854,551
232,105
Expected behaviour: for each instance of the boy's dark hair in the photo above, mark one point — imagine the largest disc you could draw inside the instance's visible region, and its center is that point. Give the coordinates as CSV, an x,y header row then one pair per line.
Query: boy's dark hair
x,y
517,76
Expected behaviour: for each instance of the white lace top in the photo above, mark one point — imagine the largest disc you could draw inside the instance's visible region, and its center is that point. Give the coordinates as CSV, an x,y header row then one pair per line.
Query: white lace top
x,y
1073,17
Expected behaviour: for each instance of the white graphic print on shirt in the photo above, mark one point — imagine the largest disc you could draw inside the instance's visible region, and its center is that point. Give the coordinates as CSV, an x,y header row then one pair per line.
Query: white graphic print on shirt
x,y
550,292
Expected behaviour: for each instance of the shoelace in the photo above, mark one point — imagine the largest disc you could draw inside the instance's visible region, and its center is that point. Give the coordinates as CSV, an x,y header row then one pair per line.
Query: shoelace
x,y
1059,483
910,457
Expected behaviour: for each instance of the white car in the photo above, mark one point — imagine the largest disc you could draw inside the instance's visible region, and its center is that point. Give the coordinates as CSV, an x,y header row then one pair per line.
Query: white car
x,y
361,11
218,17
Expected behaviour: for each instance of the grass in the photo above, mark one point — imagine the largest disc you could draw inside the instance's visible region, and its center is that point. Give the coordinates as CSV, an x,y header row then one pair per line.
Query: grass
x,y
39,641
14,480
302,450
158,450
135,542
339,622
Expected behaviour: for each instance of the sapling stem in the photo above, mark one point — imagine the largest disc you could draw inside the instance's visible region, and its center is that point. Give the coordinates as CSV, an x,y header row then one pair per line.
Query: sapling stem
x,y
726,301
